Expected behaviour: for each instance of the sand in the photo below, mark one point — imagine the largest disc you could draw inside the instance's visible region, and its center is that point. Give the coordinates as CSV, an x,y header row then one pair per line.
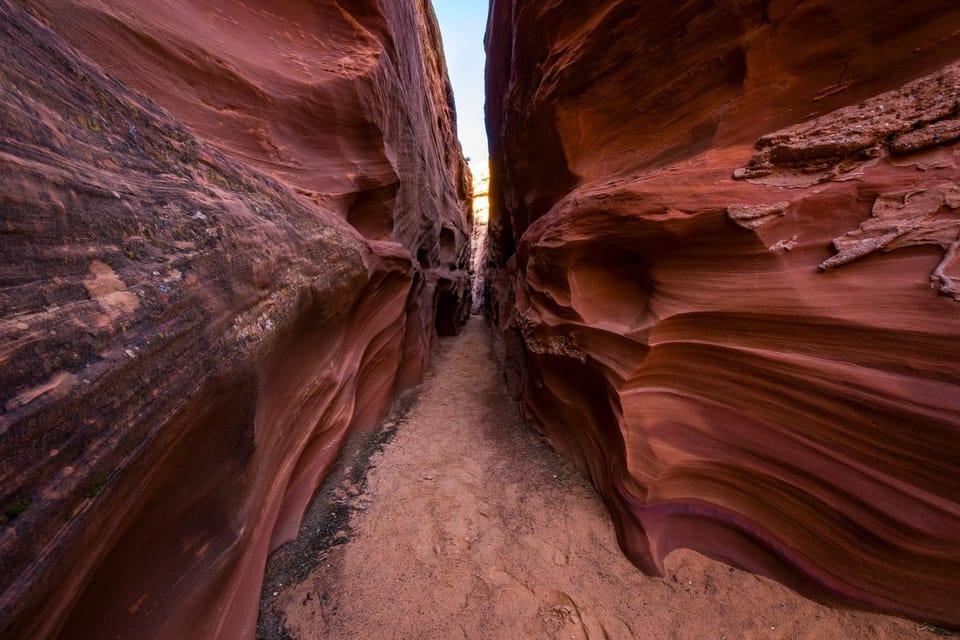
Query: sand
x,y
454,520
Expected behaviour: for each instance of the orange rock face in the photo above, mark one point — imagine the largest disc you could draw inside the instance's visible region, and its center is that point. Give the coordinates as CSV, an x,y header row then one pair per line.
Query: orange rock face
x,y
204,286
727,287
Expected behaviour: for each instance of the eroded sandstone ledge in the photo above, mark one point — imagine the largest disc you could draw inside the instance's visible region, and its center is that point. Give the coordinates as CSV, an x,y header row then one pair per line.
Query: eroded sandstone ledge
x,y
200,299
722,234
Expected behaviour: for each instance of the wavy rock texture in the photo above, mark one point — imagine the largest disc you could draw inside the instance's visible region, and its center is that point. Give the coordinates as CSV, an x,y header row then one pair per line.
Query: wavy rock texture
x,y
189,324
726,238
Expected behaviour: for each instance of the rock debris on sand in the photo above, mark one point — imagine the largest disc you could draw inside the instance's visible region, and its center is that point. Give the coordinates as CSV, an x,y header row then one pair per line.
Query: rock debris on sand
x,y
469,526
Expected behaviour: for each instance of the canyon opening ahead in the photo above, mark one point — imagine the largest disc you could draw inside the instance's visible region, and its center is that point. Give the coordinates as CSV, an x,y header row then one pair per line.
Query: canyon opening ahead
x,y
651,331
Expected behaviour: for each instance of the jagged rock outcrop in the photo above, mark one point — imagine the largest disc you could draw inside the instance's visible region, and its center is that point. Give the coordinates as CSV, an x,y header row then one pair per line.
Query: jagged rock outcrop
x,y
725,237
189,324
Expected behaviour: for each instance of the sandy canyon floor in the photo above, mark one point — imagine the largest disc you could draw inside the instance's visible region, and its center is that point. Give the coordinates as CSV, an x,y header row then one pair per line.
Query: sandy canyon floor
x,y
453,520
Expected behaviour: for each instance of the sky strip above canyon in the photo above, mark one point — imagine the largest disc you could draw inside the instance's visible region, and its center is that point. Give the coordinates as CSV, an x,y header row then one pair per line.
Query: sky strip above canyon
x,y
462,24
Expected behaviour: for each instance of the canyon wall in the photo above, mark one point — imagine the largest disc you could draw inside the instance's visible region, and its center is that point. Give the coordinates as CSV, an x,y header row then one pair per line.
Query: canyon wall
x,y
230,234
724,244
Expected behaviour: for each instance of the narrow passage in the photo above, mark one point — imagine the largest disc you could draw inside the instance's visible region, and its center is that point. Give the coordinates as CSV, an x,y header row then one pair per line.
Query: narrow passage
x,y
467,525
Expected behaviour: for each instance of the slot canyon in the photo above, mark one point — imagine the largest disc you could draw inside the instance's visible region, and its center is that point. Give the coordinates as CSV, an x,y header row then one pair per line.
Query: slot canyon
x,y
270,368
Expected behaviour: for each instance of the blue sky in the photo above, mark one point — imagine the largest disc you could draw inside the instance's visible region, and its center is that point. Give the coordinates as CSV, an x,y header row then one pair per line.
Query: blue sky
x,y
462,23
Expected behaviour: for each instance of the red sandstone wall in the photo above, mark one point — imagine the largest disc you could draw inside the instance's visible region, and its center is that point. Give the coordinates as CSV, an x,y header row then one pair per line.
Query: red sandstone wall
x,y
204,287
726,236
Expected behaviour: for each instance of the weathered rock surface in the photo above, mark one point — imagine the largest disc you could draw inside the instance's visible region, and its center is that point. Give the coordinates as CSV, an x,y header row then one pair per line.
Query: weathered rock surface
x,y
726,238
188,324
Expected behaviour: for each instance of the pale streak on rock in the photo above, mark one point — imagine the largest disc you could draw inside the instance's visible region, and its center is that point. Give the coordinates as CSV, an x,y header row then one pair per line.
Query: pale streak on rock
x,y
783,245
753,216
106,287
939,278
60,383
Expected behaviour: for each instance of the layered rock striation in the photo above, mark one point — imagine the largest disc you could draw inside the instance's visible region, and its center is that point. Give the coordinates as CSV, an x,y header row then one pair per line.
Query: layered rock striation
x,y
229,237
725,240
